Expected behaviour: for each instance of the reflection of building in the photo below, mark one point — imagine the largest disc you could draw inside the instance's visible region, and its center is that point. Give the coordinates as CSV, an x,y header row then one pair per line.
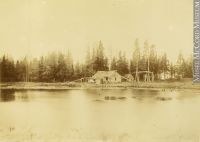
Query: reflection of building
x,y
107,77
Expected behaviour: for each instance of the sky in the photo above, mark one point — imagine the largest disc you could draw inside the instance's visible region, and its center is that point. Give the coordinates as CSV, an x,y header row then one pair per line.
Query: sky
x,y
37,27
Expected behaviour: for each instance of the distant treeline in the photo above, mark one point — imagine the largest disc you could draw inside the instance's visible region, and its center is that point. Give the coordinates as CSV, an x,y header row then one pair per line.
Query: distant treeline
x,y
59,67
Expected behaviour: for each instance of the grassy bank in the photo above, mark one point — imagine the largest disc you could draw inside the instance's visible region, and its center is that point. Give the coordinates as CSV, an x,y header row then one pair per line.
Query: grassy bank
x,y
185,84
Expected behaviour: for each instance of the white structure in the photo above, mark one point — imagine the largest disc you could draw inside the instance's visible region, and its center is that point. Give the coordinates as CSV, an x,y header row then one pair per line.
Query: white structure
x,y
164,76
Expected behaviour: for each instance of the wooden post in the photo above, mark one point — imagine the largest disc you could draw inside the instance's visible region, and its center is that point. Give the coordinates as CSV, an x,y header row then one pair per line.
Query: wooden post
x,y
148,77
27,71
152,77
136,73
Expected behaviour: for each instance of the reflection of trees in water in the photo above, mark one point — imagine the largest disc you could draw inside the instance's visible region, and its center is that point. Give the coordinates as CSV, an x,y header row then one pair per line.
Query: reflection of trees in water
x,y
23,96
7,95
12,95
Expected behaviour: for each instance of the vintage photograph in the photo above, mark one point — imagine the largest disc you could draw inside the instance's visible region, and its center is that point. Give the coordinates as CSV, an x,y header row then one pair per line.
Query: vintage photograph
x,y
99,71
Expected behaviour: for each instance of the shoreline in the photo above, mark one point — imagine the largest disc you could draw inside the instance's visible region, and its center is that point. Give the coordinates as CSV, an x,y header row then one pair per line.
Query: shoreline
x,y
178,85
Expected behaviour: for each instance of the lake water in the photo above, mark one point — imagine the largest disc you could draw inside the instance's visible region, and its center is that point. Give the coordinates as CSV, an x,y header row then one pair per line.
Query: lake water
x,y
86,116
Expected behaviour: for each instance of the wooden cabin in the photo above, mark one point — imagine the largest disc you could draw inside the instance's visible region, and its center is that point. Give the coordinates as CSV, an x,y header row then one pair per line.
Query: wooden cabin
x,y
103,77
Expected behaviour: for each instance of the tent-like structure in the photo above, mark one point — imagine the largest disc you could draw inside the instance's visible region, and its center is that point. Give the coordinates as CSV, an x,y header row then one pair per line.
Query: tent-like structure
x,y
129,77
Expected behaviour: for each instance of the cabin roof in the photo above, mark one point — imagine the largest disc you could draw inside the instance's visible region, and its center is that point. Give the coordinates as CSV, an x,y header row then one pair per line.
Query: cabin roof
x,y
100,74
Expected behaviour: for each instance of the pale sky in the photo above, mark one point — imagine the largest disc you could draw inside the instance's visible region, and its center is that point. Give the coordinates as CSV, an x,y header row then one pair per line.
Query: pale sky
x,y
36,27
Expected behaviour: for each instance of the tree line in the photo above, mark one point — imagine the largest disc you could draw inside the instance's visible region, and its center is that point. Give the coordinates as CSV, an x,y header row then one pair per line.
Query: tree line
x,y
60,67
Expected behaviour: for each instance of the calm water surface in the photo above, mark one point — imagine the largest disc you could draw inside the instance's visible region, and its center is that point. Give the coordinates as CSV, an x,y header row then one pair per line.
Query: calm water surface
x,y
85,115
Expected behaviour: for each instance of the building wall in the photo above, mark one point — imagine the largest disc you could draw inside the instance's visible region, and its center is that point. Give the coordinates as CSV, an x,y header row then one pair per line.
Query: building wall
x,y
107,77
113,79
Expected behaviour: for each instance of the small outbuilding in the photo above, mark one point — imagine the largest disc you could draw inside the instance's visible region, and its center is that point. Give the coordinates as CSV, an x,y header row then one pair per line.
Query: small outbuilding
x,y
164,75
129,77
102,77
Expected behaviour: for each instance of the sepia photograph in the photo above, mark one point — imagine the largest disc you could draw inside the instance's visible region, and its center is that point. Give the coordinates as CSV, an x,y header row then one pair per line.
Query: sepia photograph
x,y
99,71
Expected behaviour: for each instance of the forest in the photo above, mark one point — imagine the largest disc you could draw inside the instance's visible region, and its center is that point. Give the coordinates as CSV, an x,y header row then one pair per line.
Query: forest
x,y
60,67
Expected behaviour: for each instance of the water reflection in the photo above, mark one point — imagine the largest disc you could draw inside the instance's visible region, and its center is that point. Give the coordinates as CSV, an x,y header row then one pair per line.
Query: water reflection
x,y
22,95
99,95
7,95
99,115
